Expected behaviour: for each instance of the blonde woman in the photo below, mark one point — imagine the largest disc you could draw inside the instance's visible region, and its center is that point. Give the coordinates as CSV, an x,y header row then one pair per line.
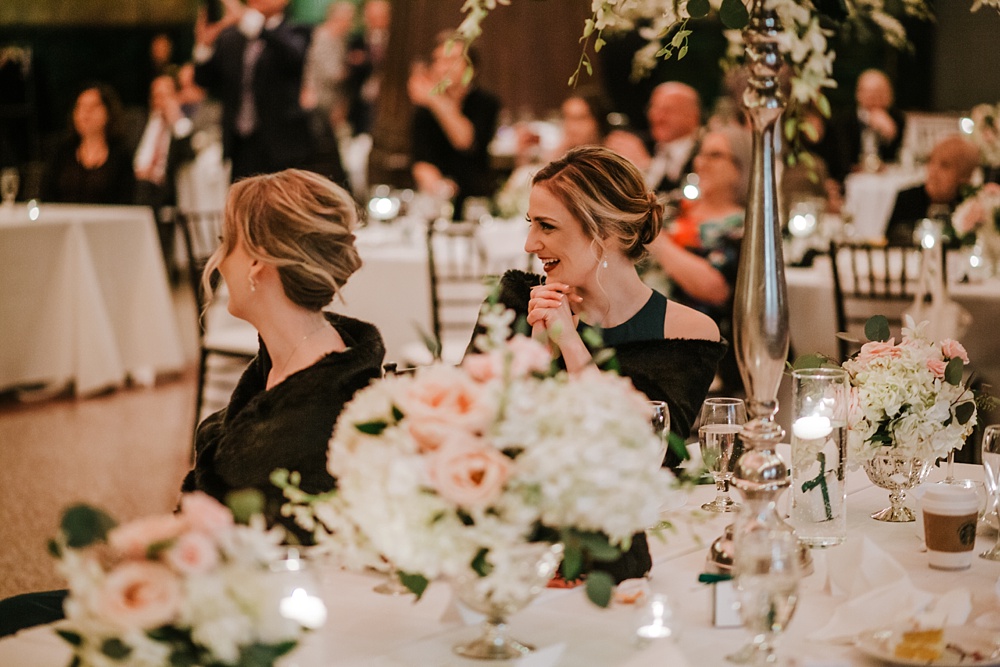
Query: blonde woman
x,y
287,250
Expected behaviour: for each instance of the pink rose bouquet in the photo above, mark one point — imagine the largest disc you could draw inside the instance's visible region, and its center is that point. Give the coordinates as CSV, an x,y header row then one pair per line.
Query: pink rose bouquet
x,y
908,398
978,211
190,588
450,468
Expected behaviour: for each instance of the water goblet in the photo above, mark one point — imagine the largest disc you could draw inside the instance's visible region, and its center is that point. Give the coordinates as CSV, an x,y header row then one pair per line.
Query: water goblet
x,y
722,420
766,574
660,422
991,465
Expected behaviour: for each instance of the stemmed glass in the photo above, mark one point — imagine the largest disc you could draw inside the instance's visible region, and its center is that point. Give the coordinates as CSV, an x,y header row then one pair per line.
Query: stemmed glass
x,y
722,420
766,573
660,421
991,465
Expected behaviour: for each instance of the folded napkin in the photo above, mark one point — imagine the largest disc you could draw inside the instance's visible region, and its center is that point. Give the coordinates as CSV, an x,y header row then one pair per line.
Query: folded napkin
x,y
879,592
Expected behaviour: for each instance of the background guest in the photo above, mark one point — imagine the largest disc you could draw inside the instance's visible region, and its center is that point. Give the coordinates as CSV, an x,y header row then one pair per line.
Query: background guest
x,y
952,162
252,60
324,82
872,127
451,129
699,251
366,57
674,115
92,165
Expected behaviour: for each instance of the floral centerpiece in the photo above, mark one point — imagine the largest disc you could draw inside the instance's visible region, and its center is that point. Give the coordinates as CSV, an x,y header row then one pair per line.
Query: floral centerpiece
x,y
446,470
986,132
191,588
977,219
908,398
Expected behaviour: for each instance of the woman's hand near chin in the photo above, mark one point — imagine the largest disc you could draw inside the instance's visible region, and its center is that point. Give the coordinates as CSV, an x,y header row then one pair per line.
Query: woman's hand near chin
x,y
552,321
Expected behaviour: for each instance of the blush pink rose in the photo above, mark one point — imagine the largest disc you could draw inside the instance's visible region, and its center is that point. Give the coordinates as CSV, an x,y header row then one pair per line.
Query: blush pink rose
x,y
446,394
193,553
139,595
481,367
952,349
968,216
429,434
468,472
936,366
529,356
133,539
878,349
204,513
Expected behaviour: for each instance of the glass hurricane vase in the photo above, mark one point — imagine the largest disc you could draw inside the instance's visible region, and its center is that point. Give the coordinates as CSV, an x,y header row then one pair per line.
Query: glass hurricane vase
x,y
517,576
896,474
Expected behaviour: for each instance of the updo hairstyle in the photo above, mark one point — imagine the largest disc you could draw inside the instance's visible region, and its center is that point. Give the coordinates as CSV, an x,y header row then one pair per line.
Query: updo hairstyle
x,y
607,194
298,221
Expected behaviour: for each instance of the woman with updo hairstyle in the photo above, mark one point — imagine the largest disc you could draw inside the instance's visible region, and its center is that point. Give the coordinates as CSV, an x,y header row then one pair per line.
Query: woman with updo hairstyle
x,y
287,249
590,217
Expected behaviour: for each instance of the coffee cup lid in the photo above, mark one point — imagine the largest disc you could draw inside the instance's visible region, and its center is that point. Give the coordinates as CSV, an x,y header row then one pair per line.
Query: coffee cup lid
x,y
949,495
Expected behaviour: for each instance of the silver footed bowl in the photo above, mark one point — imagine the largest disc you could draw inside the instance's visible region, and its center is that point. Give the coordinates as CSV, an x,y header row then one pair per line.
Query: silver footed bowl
x,y
897,475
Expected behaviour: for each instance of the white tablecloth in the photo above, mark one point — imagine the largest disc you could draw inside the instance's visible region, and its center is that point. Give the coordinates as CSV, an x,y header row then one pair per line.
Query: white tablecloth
x,y
869,198
85,298
365,629
813,321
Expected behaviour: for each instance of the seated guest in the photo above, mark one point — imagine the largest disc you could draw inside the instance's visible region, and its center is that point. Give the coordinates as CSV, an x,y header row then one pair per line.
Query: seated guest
x,y
699,251
287,250
674,116
92,165
590,217
452,129
950,166
873,126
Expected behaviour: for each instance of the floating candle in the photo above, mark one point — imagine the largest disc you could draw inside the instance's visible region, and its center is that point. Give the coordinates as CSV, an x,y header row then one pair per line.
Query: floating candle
x,y
812,427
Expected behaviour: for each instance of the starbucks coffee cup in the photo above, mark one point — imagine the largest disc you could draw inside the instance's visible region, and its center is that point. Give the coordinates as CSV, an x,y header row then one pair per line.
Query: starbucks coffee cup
x,y
950,514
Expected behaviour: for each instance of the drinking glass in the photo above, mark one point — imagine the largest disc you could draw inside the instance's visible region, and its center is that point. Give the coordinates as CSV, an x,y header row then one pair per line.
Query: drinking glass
x,y
722,420
766,574
991,465
8,186
660,421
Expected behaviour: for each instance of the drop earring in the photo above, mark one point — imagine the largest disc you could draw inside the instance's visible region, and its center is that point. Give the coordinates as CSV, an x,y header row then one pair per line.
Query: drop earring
x,y
253,284
604,264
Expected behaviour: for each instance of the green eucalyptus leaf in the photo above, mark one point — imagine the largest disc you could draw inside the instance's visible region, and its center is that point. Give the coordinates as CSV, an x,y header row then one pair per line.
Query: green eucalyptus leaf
x,y
953,372
698,9
83,525
71,637
814,360
480,565
964,412
115,649
598,547
572,562
599,586
244,504
877,328
734,14
372,427
415,583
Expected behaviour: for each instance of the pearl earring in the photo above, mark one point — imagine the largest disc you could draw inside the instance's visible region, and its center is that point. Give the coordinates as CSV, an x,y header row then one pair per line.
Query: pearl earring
x,y
604,264
253,284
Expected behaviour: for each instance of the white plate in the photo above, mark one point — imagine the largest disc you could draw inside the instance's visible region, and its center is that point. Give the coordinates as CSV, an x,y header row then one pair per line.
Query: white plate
x,y
979,646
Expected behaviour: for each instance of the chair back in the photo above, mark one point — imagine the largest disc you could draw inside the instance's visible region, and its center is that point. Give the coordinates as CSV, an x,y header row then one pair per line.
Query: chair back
x,y
871,279
201,231
459,279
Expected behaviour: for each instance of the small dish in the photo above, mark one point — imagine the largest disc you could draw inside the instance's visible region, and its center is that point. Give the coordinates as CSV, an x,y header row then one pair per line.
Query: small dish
x,y
964,645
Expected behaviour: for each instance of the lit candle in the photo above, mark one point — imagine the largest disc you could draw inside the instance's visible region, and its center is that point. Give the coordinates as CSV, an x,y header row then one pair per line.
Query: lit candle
x,y
812,427
305,609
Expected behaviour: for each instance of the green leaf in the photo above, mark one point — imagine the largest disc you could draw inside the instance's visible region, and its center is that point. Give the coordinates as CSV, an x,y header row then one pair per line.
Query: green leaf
x,y
877,328
154,550
823,104
698,9
372,428
598,45
480,565
678,446
598,547
599,586
263,655
83,525
681,52
244,503
953,372
397,414
734,14
415,583
71,637
789,128
964,412
814,360
54,549
115,649
572,562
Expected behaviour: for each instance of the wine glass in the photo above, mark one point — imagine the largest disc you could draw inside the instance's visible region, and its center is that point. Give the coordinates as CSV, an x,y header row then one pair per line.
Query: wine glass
x,y
766,574
660,421
722,420
8,186
991,465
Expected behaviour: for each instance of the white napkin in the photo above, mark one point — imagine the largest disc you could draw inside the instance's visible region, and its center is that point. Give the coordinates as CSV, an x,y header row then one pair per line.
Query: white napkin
x,y
878,592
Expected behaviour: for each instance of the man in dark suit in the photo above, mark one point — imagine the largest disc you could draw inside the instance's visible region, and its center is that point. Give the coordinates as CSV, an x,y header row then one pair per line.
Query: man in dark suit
x,y
951,164
252,61
872,130
366,55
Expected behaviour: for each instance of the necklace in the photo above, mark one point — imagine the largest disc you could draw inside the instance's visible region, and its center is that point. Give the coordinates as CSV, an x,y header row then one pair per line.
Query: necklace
x,y
288,360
